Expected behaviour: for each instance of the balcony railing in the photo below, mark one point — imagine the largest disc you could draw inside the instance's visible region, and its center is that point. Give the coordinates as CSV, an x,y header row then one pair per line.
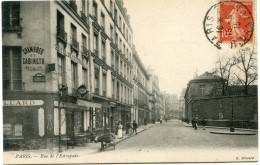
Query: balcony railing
x,y
104,58
96,52
75,44
62,35
84,50
73,5
97,91
84,17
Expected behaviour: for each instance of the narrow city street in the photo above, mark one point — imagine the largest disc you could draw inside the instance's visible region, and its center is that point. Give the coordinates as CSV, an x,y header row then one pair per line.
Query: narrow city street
x,y
166,142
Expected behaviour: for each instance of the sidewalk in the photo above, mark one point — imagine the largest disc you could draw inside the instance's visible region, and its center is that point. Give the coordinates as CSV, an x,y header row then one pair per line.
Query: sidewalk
x,y
88,147
139,130
226,130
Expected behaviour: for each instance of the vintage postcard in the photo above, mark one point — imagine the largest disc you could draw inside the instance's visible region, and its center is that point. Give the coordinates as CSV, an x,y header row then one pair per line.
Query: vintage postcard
x,y
129,81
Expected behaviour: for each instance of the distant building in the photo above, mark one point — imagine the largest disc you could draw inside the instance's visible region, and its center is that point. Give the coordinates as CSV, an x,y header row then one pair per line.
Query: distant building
x,y
182,104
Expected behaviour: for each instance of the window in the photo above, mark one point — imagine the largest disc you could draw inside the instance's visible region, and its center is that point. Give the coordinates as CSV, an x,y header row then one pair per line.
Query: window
x,y
124,28
104,83
74,76
115,17
102,20
11,16
123,49
94,9
111,6
117,90
96,83
116,38
85,76
202,90
104,50
125,94
112,59
96,43
74,41
113,88
61,70
12,72
121,68
117,60
111,32
84,44
120,22
83,6
120,45
122,94
73,5
60,27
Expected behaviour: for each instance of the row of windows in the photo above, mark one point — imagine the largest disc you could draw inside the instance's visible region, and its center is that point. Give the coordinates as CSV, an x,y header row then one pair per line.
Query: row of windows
x,y
125,32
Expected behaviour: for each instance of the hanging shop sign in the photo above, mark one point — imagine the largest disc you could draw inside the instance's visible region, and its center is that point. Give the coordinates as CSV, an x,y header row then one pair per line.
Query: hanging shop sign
x,y
82,90
22,102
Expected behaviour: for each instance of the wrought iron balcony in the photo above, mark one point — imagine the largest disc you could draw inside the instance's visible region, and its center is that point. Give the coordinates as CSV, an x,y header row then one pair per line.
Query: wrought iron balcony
x,y
104,58
61,35
96,52
74,44
84,50
97,91
84,17
73,5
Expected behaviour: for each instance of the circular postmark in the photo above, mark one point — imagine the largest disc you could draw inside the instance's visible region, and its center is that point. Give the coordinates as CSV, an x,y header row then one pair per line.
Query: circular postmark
x,y
229,22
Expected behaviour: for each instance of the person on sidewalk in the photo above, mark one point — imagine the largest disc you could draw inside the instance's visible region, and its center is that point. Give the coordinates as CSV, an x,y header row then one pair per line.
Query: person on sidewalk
x,y
134,127
120,130
203,123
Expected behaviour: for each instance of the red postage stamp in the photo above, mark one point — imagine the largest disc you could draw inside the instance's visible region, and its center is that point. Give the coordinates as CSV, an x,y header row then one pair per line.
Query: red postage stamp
x,y
236,21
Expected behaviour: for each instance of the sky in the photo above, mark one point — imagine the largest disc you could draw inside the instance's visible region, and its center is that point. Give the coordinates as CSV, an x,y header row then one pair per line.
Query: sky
x,y
169,37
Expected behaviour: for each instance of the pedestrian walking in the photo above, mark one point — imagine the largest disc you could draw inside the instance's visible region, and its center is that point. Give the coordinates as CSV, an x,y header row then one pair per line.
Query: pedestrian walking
x,y
120,130
203,123
195,124
135,127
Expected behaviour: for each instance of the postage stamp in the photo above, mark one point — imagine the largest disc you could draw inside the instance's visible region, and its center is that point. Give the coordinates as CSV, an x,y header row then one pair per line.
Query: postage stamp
x,y
230,22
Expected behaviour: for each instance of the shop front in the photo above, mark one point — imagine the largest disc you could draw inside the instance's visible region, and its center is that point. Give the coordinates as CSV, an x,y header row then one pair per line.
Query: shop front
x,y
25,120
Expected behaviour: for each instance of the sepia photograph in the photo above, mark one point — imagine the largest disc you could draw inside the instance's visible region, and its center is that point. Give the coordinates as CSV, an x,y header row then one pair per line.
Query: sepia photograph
x,y
129,81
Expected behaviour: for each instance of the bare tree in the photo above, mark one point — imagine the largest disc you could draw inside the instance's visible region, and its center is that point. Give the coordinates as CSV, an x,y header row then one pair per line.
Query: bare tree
x,y
223,69
247,67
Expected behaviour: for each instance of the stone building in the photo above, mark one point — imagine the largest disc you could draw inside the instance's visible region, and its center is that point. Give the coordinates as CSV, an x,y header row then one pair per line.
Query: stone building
x,y
204,99
67,68
141,94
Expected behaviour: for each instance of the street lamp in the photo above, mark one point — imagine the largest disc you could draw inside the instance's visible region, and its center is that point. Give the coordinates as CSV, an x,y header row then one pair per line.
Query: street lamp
x,y
232,128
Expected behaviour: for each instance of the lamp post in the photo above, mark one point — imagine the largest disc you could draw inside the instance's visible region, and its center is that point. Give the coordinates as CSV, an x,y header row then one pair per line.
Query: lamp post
x,y
232,129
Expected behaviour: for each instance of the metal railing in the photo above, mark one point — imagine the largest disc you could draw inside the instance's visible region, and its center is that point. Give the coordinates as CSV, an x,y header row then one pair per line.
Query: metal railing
x,y
84,17
73,5
74,43
84,50
61,34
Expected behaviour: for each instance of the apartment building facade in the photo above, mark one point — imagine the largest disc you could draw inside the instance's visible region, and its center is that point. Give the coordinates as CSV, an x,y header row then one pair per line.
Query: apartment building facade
x,y
141,93
67,68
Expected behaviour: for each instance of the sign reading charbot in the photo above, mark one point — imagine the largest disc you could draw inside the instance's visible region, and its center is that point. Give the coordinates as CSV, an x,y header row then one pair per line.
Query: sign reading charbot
x,y
22,102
